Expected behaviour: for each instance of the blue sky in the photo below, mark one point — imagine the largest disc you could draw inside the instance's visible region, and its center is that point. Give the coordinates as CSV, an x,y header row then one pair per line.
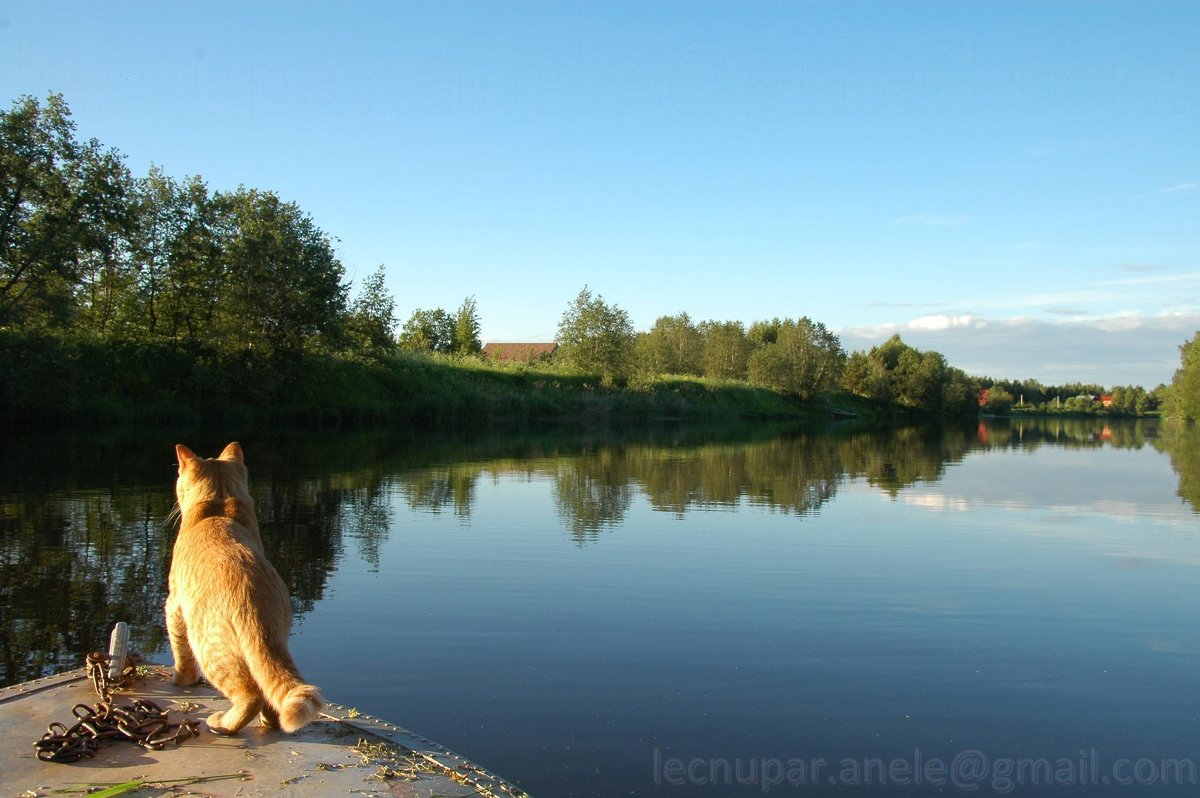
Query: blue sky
x,y
1013,184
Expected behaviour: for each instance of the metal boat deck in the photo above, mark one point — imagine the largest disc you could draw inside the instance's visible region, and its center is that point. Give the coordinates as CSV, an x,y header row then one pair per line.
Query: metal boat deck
x,y
341,753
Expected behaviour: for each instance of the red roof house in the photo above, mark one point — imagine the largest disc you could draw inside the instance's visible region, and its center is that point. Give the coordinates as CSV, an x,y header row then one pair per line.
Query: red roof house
x,y
519,352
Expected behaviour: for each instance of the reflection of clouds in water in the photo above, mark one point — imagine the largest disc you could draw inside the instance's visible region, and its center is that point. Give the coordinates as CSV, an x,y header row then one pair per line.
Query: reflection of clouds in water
x,y
1112,510
938,503
1123,511
1121,530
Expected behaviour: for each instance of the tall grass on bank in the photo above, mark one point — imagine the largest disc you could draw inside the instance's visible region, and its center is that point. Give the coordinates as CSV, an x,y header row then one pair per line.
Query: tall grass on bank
x,y
53,379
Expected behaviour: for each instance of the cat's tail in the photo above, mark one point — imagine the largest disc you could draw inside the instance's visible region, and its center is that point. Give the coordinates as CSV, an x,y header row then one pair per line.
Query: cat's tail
x,y
299,707
296,703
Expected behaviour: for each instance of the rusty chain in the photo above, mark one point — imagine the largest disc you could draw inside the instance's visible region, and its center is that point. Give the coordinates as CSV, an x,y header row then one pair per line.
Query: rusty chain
x,y
143,722
97,668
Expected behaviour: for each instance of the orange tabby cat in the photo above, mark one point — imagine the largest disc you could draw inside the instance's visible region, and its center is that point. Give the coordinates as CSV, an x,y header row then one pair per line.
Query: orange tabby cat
x,y
228,611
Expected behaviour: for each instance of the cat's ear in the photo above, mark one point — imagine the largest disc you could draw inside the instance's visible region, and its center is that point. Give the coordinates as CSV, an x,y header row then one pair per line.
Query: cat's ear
x,y
232,452
184,455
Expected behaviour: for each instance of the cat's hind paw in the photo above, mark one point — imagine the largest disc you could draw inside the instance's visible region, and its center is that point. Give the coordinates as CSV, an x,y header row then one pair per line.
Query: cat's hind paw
x,y
268,718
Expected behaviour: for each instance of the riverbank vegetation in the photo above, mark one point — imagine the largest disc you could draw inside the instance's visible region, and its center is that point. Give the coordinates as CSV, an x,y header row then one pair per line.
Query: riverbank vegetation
x,y
153,299
1183,397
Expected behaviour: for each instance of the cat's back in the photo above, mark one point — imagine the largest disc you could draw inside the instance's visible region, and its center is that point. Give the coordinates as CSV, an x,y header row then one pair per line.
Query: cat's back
x,y
218,568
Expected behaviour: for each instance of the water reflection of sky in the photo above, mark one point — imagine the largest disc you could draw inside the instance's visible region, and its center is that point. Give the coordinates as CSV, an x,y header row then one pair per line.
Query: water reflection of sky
x,y
1108,500
1111,482
1004,606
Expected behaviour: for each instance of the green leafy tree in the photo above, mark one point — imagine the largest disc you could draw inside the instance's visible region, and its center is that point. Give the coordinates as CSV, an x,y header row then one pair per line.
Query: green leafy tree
x,y
726,350
1185,386
1071,389
673,345
105,266
1126,400
371,324
960,393
428,331
762,333
1030,392
285,282
897,372
596,337
868,376
62,218
1151,401
183,265
465,339
160,217
178,267
890,351
1083,403
998,400
797,357
922,378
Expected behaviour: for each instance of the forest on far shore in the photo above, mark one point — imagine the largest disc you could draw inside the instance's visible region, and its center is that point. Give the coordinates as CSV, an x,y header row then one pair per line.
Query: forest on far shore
x,y
125,295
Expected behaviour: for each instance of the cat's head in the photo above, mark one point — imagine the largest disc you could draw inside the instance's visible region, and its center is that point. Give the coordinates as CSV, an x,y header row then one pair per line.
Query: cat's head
x,y
202,479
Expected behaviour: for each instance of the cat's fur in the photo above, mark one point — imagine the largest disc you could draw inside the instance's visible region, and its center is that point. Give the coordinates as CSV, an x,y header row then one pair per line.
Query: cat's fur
x,y
228,610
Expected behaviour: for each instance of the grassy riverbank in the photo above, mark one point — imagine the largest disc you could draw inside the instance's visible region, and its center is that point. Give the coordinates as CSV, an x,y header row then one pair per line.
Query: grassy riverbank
x,y
50,379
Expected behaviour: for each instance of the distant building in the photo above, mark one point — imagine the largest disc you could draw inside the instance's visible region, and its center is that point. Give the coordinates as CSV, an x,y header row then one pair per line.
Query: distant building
x,y
1106,400
519,352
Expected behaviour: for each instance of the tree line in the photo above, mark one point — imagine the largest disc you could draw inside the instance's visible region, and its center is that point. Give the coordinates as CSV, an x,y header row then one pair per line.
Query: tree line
x,y
797,357
801,358
91,251
86,248
1075,397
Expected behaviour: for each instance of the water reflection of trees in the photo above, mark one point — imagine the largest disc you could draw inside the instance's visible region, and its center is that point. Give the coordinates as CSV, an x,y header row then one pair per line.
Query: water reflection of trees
x,y
83,539
69,566
85,544
1072,433
892,460
441,488
1181,442
796,474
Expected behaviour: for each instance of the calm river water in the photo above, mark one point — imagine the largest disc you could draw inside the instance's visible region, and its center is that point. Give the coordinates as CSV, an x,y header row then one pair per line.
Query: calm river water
x,y
1001,608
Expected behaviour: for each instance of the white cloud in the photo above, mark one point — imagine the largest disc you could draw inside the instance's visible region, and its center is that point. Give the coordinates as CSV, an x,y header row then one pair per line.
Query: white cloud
x,y
1120,322
1119,349
933,323
940,322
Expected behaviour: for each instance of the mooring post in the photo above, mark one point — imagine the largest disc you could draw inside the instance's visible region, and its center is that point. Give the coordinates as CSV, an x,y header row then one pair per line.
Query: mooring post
x,y
118,649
